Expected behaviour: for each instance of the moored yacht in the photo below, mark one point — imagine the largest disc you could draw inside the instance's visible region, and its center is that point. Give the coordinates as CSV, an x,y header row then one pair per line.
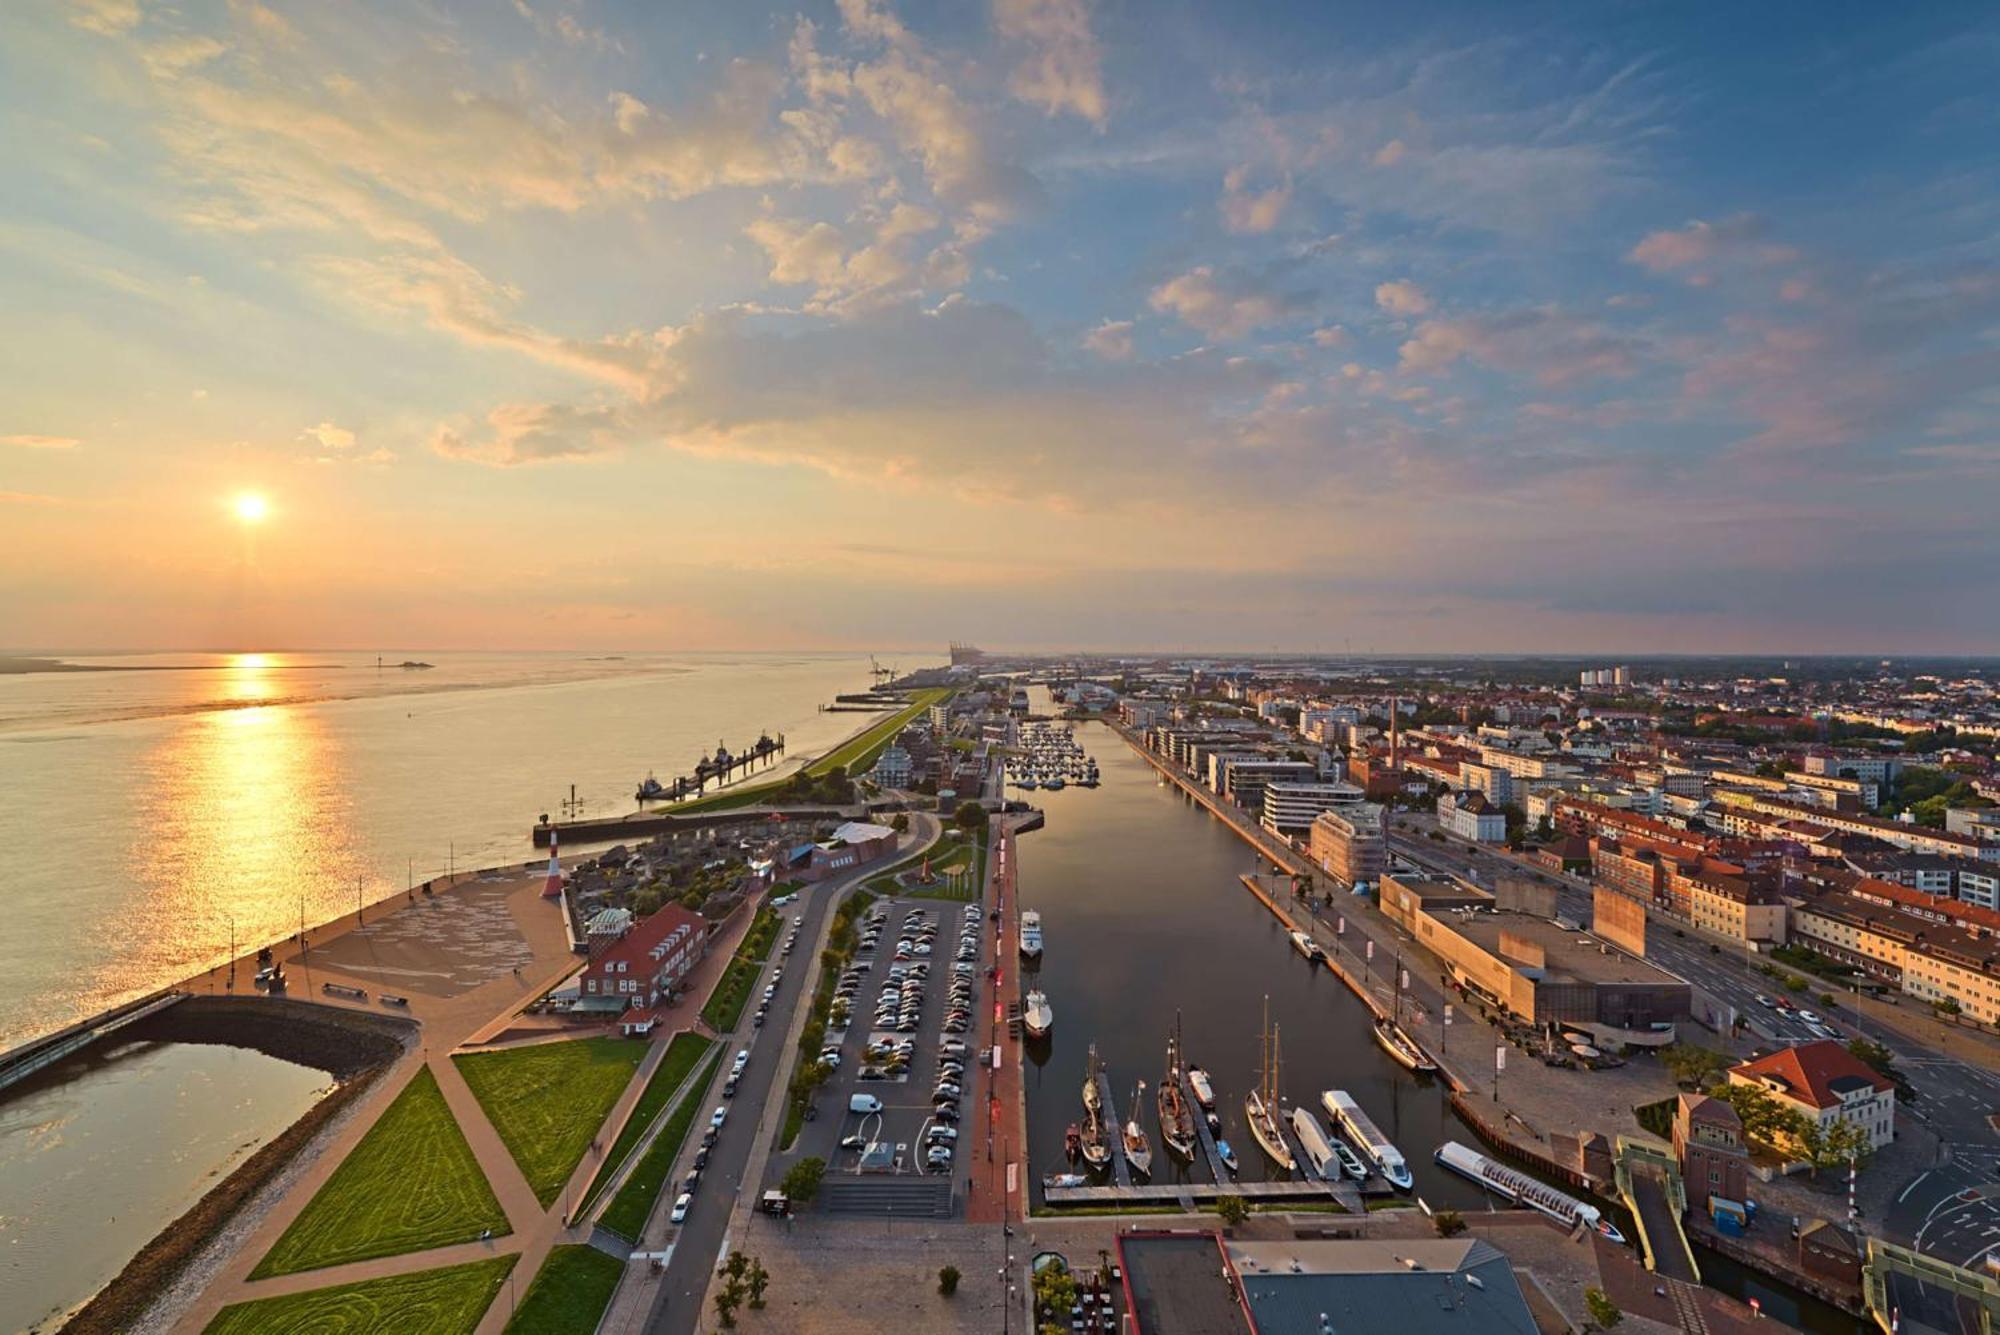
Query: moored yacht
x,y
1037,1017
1348,1117
1402,1047
1138,1149
1228,1156
1204,1089
1260,1106
1031,935
1176,1121
1307,947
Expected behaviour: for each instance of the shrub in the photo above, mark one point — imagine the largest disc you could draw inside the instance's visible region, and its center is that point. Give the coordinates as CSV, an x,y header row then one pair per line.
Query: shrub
x,y
1448,1223
948,1280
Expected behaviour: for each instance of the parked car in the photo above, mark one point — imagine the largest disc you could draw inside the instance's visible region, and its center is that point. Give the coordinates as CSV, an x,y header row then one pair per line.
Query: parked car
x,y
681,1205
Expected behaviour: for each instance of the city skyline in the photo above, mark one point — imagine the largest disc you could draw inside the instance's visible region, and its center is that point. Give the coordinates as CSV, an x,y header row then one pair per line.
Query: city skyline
x,y
1051,324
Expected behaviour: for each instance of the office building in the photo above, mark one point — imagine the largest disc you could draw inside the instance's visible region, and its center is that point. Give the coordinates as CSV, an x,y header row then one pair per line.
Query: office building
x,y
1290,807
1348,843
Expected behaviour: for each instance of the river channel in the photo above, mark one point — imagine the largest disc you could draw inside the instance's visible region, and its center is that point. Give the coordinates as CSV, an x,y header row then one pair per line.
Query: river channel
x,y
1144,917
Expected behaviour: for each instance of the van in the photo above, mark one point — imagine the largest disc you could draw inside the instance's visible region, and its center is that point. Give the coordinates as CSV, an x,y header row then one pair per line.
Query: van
x,y
863,1103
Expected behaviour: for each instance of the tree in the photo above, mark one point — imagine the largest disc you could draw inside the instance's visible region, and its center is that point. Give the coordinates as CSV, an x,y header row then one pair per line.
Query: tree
x,y
758,1279
1693,1066
1232,1210
1603,1312
727,1299
970,816
802,1179
1055,1290
901,823
1875,1056
1448,1223
948,1280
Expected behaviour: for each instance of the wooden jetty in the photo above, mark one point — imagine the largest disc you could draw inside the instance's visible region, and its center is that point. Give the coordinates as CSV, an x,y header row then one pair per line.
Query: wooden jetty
x,y
1176,1195
1121,1171
1204,1137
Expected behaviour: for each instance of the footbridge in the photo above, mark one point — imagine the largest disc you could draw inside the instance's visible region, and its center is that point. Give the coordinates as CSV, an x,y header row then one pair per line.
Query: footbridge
x,y
1650,1184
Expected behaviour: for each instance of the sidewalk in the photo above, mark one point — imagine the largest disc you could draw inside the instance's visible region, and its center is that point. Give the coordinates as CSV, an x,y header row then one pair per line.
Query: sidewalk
x,y
988,1200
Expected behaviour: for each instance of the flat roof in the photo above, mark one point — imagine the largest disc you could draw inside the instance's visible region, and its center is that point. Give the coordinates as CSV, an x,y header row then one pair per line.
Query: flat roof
x,y
1573,956
1180,1286
1387,1287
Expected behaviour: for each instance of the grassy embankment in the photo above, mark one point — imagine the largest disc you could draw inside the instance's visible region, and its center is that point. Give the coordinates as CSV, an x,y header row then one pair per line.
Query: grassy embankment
x,y
412,1183
570,1293
724,1006
854,756
682,1054
808,1074
548,1100
447,1301
626,1216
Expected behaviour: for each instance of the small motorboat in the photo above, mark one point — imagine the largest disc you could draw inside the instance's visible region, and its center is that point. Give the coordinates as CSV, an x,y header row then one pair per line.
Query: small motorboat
x,y
1228,1156
1204,1089
1066,1180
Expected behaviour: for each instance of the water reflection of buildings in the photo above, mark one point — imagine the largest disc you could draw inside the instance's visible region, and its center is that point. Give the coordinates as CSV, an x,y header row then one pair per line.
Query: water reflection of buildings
x,y
244,818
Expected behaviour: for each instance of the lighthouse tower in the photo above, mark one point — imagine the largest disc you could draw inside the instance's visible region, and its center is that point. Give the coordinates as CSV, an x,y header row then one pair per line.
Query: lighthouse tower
x,y
553,886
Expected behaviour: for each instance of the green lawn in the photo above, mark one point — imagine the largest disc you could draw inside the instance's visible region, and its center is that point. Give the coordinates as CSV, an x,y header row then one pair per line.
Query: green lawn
x,y
549,1100
627,1213
953,849
570,1294
682,1054
449,1301
412,1183
724,1006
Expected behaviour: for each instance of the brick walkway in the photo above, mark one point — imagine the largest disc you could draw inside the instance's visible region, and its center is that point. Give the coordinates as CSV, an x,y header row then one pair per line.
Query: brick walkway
x,y
1006,1129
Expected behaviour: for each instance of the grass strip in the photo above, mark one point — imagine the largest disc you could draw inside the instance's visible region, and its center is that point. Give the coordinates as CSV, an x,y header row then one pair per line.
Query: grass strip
x,y
411,1183
446,1301
549,1100
724,1006
570,1293
627,1214
686,1049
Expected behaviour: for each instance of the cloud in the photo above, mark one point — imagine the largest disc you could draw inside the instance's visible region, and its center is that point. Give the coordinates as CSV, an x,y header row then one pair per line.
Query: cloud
x,y
1062,70
1224,305
35,442
1111,340
330,436
1330,336
1249,210
892,265
28,498
1700,245
1390,153
106,17
1402,297
1555,348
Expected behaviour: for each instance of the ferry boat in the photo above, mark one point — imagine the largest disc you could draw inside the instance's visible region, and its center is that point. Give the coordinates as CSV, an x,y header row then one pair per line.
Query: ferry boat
x,y
1031,935
1513,1185
1402,1047
1228,1156
1260,1106
1066,1180
1138,1149
1308,947
1176,1122
1204,1090
1347,1116
1038,1018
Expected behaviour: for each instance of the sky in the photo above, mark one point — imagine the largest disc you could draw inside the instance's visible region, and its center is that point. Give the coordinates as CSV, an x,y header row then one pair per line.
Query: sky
x,y
1064,324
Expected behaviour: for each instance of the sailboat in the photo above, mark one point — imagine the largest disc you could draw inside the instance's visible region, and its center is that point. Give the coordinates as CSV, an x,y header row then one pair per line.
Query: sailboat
x,y
1138,1150
1176,1121
1094,1144
1260,1107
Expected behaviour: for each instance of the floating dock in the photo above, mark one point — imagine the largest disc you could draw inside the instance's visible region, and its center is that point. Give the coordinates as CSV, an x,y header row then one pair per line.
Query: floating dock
x,y
1204,1137
1175,1194
1121,1171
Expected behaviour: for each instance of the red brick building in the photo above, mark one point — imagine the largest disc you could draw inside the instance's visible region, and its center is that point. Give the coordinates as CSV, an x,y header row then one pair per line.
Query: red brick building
x,y
643,966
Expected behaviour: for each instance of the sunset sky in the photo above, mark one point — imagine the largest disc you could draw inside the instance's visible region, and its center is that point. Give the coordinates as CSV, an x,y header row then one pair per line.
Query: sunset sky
x,y
1042,323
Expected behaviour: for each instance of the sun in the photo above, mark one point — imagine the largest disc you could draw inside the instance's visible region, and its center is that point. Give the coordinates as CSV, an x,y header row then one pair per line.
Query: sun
x,y
251,508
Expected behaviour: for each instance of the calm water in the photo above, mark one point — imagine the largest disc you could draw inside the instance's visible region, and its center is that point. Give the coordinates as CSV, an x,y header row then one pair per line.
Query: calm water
x,y
1142,914
102,1152
143,810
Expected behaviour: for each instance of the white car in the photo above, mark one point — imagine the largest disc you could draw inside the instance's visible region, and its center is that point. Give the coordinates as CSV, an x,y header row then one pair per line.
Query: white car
x,y
721,1112
681,1204
742,1060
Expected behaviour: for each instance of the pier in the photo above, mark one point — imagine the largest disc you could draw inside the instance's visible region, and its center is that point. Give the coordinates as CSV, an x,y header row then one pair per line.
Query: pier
x,y
1177,1195
17,1064
720,768
1204,1137
1121,1171
644,824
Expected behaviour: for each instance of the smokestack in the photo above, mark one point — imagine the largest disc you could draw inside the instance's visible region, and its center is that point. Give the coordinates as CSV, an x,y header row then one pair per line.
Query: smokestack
x,y
1395,733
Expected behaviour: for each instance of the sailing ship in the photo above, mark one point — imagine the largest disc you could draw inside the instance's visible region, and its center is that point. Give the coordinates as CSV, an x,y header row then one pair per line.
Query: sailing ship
x,y
1176,1121
1402,1047
1138,1149
1260,1106
1093,1143
1038,1018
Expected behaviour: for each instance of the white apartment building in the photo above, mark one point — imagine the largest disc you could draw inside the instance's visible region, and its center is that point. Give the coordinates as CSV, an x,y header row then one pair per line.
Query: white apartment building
x,y
1290,807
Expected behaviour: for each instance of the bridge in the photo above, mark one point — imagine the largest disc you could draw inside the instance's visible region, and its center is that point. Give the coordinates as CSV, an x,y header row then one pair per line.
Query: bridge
x,y
17,1064
1650,1184
1914,1292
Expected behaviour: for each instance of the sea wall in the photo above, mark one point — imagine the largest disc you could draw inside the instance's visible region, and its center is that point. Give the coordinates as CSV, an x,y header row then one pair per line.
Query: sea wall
x,y
343,1043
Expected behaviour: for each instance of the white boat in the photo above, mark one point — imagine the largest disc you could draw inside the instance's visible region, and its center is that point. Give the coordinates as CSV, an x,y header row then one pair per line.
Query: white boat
x,y
1054,781
1260,1106
1038,1018
1306,946
1138,1149
1319,1150
1402,1047
1204,1090
1031,935
1066,1180
1348,1117
1513,1185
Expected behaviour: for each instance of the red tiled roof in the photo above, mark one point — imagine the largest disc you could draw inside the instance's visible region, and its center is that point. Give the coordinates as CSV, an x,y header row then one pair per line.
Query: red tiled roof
x,y
636,946
1809,1071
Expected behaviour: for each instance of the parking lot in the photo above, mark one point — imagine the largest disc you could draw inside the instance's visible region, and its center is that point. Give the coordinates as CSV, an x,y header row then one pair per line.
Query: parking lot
x,y
911,995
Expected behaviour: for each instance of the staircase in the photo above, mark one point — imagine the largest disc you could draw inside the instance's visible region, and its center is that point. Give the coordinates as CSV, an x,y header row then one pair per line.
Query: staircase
x,y
905,1197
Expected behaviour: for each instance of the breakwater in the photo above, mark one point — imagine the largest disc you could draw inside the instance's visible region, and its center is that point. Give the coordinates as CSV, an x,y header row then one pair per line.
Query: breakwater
x,y
646,824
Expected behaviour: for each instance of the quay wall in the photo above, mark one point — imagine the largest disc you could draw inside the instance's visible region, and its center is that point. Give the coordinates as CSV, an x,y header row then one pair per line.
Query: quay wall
x,y
645,824
340,1041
